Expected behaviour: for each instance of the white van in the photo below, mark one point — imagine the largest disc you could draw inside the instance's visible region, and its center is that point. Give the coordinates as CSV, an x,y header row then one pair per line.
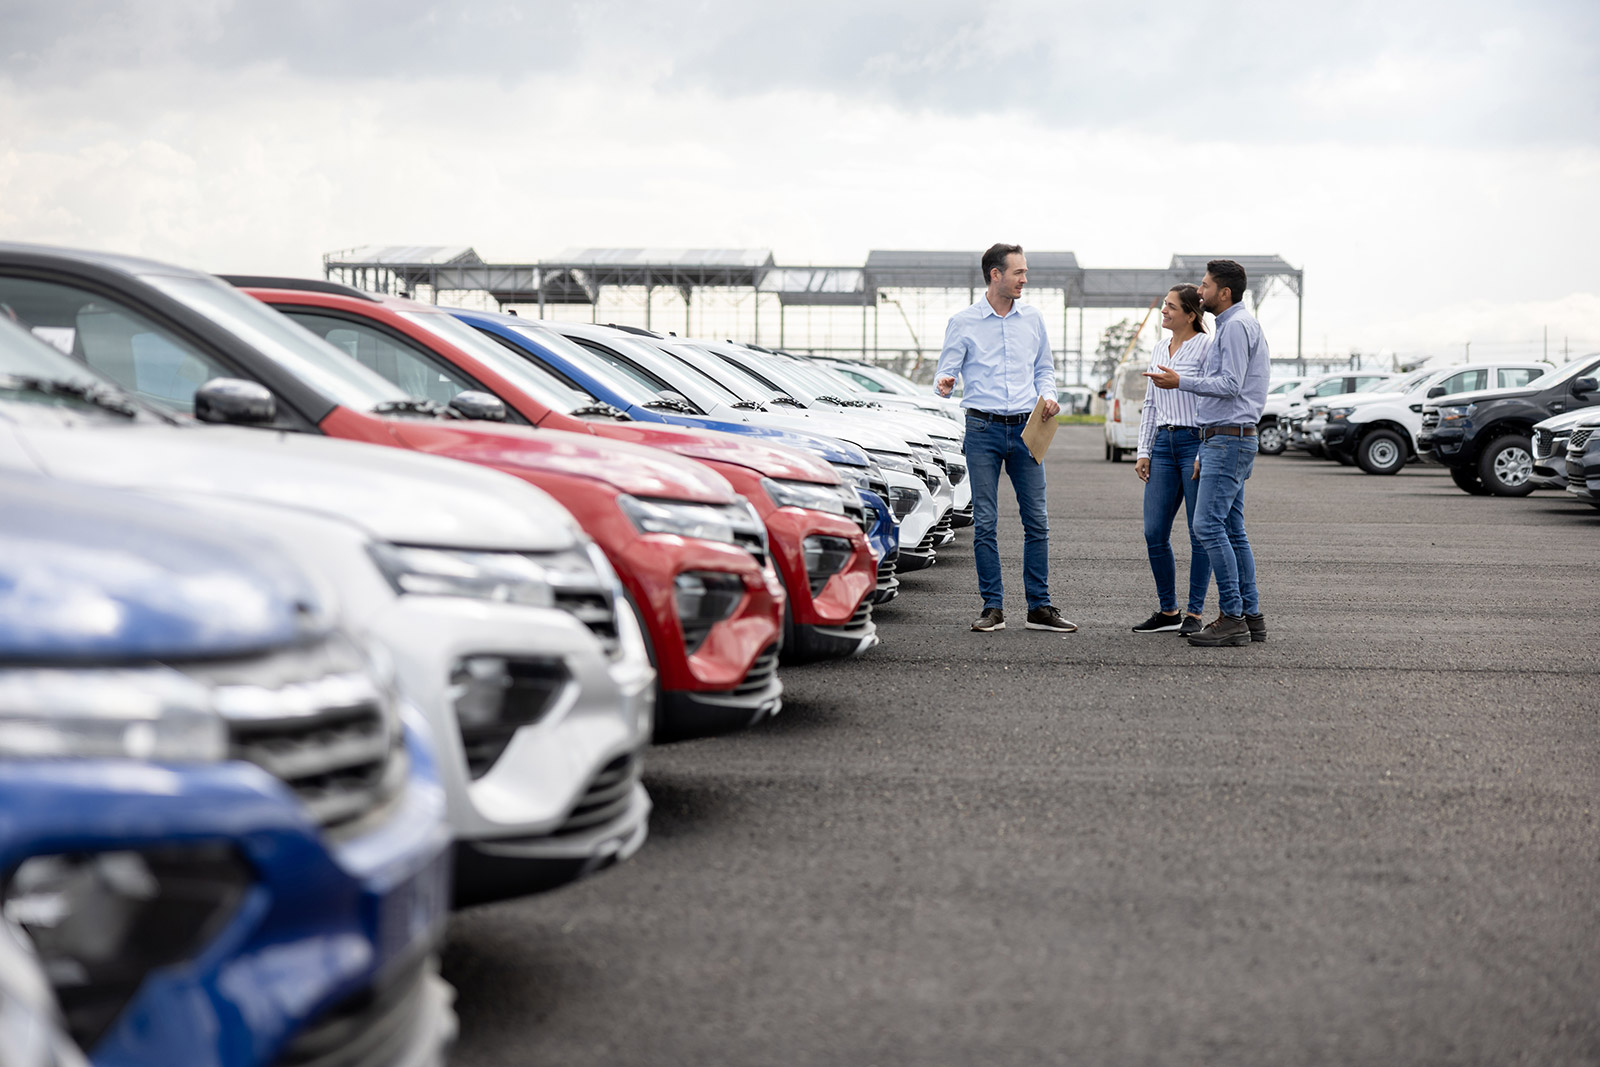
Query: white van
x,y
1124,399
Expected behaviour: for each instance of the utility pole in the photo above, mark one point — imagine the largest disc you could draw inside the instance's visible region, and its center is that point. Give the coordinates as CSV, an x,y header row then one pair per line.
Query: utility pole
x,y
1469,352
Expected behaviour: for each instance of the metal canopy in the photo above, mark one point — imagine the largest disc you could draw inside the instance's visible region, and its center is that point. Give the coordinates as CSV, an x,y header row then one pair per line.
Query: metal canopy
x,y
819,286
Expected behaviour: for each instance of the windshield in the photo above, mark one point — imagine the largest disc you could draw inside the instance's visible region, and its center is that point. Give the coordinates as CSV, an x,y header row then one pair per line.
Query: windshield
x,y
1376,385
1410,381
1561,374
538,384
293,347
770,370
1284,387
730,376
629,390
26,356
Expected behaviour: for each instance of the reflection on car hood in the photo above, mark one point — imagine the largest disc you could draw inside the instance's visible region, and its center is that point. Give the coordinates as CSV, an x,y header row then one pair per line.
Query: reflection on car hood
x,y
631,469
393,495
90,574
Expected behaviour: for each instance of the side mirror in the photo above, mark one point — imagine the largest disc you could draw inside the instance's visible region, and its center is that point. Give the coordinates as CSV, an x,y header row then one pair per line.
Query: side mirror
x,y
1585,385
1437,390
235,401
473,404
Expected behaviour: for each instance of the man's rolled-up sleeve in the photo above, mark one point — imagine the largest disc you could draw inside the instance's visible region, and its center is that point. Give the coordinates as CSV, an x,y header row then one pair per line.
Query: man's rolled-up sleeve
x,y
1228,365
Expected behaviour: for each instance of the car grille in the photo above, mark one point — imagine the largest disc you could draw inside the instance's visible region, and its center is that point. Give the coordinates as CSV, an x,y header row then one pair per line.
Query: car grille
x,y
862,615
1430,418
930,479
929,542
942,527
858,513
1543,443
528,690
371,1028
887,568
1579,439
762,671
597,611
879,486
607,797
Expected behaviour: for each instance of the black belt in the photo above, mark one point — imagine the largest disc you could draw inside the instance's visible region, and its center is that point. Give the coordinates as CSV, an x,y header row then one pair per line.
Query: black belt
x,y
1005,420
1170,426
1227,431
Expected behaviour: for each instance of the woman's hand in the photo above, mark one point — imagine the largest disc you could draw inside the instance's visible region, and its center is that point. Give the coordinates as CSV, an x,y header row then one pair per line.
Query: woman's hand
x,y
1141,467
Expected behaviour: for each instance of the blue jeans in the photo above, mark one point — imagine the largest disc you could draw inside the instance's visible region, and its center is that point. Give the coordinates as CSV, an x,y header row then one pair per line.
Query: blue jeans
x,y
1171,464
989,446
1225,465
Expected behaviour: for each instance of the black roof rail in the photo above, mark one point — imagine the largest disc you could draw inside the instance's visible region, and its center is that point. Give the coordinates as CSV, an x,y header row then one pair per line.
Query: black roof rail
x,y
309,285
639,330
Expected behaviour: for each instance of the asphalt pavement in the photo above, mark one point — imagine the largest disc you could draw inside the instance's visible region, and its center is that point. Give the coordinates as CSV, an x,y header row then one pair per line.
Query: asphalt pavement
x,y
1370,840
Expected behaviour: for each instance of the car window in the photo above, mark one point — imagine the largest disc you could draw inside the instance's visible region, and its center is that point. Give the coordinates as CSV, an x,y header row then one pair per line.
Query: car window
x,y
1516,377
1466,381
862,381
1370,383
114,339
415,372
1284,387
1331,387
629,370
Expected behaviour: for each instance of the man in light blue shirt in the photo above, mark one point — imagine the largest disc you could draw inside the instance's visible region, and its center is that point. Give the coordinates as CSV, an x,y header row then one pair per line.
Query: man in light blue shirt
x,y
1000,351
1230,389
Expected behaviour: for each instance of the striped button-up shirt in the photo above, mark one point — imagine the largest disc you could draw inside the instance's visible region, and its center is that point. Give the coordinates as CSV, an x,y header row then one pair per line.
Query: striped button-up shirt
x,y
1232,383
1171,407
1004,363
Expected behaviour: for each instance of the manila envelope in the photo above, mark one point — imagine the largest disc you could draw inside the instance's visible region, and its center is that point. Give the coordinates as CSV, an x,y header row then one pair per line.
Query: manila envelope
x,y
1039,432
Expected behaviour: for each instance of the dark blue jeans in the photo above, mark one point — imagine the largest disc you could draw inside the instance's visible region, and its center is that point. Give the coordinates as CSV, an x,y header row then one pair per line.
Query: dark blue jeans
x,y
1171,464
1225,465
989,447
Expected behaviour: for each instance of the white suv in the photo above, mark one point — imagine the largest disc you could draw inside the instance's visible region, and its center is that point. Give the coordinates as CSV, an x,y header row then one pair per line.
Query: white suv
x,y
1274,432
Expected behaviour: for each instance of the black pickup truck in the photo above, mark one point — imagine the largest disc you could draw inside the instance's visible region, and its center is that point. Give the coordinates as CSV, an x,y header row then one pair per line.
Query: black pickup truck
x,y
1484,437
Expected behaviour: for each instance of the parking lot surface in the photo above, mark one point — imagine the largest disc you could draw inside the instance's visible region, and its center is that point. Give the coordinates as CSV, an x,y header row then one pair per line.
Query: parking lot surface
x,y
1370,840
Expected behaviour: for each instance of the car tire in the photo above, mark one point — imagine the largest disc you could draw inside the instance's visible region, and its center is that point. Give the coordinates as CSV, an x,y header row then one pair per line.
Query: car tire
x,y
1108,451
1506,467
1116,454
1466,479
1269,439
1381,452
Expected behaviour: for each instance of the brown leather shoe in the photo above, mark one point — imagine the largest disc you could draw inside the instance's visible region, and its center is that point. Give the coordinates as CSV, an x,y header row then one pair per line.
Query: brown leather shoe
x,y
1223,630
1258,626
991,619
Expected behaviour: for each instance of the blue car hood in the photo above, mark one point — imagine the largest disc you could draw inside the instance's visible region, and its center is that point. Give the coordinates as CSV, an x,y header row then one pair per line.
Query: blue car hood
x,y
95,575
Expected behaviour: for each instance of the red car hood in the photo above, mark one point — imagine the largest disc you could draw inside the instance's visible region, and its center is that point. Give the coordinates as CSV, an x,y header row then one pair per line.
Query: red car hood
x,y
631,469
772,461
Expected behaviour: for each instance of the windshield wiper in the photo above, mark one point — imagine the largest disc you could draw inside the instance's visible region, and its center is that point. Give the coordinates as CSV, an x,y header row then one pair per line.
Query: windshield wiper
x,y
671,405
600,407
829,398
411,405
791,401
86,392
750,405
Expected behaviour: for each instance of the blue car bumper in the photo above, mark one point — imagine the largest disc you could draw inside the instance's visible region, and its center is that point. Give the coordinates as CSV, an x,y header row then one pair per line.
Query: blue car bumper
x,y
257,937
883,535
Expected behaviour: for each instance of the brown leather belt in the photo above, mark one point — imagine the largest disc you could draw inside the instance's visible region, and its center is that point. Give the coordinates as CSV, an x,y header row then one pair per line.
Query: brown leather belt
x,y
1227,431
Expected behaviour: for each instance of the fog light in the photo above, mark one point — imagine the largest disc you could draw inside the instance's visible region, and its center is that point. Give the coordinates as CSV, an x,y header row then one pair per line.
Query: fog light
x,y
703,599
903,500
495,697
825,557
100,922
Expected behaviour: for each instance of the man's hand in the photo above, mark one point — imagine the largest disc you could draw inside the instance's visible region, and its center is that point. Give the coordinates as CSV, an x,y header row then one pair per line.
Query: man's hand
x,y
1051,408
944,385
1166,378
1141,467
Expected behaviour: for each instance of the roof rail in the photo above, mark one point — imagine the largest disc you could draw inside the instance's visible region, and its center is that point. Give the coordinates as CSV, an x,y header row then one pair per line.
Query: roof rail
x,y
309,285
640,330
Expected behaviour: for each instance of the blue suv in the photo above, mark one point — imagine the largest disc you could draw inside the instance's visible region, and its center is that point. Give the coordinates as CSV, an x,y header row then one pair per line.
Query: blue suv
x,y
221,839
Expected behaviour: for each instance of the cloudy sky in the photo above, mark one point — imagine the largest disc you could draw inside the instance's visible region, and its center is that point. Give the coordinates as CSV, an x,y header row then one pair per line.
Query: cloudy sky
x,y
1434,167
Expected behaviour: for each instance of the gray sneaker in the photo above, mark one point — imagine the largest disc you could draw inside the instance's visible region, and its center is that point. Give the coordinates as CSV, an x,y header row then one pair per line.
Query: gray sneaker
x,y
1223,630
1258,626
991,619
1049,617
1191,625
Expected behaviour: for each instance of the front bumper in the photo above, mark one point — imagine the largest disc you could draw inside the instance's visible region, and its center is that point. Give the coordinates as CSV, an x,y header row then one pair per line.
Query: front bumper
x,y
1339,439
1443,446
684,713
837,621
1583,481
327,939
916,547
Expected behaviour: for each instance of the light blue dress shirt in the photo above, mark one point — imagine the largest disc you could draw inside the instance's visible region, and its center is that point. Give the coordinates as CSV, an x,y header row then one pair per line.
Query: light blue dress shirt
x,y
1231,383
1004,363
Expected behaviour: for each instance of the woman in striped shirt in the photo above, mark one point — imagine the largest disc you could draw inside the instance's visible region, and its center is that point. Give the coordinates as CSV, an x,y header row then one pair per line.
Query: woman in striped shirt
x,y
1169,439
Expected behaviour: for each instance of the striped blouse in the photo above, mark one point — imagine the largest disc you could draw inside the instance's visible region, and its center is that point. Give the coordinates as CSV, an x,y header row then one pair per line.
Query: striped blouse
x,y
1171,407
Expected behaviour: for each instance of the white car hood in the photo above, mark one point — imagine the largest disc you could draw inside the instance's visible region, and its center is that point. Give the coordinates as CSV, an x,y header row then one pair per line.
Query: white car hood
x,y
393,495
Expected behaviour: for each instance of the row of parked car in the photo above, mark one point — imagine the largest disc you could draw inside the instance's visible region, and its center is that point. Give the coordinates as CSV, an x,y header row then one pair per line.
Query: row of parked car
x,y
324,612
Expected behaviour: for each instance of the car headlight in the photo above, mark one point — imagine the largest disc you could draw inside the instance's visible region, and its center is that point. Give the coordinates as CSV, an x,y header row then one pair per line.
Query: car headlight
x,y
788,494
508,577
1339,413
705,521
1457,411
145,714
99,922
893,461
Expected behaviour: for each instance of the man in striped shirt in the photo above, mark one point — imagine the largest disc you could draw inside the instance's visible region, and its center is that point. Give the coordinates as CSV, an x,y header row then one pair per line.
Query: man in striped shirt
x,y
1000,350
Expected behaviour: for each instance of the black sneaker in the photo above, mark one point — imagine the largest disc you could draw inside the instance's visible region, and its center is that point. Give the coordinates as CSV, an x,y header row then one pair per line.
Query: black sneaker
x,y
1258,626
1159,623
1224,630
1191,625
991,619
1049,618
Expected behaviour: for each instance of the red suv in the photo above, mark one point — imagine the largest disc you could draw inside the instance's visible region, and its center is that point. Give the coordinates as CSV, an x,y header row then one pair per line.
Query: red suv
x,y
814,523
688,550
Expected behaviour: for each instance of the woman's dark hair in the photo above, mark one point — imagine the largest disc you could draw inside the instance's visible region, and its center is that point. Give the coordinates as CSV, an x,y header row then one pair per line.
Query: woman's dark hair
x,y
995,258
1189,301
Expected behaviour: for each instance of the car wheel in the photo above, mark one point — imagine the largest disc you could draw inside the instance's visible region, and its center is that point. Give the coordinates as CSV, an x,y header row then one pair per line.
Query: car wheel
x,y
1108,451
1381,452
1269,439
1506,466
1466,479
1116,454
